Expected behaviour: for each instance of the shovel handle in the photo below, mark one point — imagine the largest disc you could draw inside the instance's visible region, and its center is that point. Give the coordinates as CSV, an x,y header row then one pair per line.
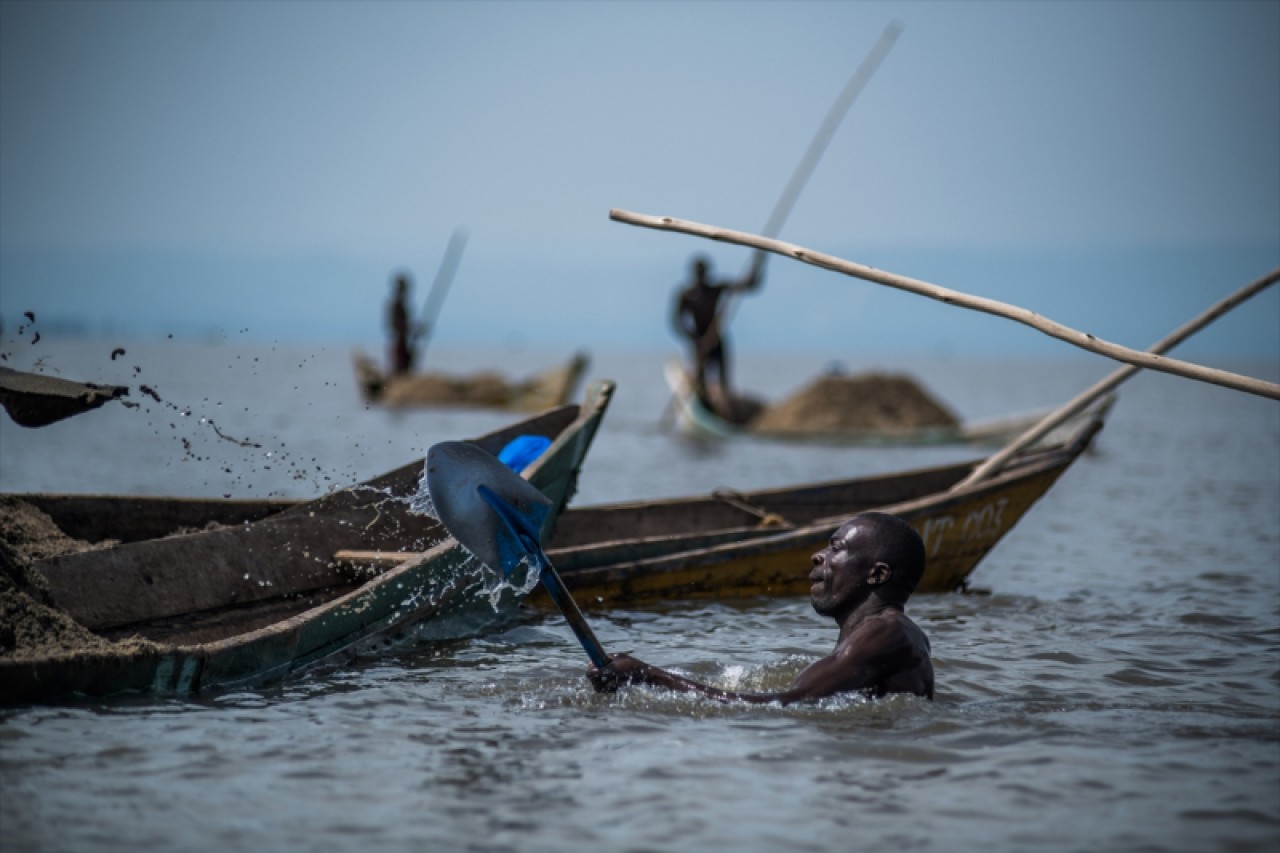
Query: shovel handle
x,y
560,595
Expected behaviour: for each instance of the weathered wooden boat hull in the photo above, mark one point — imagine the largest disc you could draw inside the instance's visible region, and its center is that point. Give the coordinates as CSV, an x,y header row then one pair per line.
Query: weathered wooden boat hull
x,y
959,531
553,387
254,601
38,399
697,421
731,545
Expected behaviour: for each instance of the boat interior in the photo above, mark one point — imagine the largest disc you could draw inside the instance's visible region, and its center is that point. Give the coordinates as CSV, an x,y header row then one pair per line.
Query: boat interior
x,y
197,571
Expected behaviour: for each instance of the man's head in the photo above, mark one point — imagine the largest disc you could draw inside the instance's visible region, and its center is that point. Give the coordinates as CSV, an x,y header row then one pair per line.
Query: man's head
x,y
870,553
402,283
701,268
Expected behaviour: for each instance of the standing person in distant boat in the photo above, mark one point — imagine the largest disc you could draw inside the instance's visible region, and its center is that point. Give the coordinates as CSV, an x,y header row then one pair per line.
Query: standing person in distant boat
x,y
862,580
403,334
697,317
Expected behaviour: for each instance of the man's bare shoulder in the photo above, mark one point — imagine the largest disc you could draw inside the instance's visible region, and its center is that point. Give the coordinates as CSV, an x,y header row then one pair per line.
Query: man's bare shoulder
x,y
887,633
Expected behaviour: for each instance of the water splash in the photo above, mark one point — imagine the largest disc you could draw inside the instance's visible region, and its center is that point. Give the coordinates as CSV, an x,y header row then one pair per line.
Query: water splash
x,y
420,502
493,583
521,582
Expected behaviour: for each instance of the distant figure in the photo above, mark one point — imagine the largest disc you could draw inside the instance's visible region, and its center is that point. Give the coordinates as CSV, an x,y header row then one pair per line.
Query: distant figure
x,y
403,336
861,579
697,317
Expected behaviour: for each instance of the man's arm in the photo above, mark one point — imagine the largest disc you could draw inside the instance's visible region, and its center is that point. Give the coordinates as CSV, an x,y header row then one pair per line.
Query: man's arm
x,y
878,650
815,682
624,669
752,279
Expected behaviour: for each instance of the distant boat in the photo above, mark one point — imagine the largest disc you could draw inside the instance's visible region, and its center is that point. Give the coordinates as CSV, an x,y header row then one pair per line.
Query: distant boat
x,y
37,399
695,419
553,387
188,606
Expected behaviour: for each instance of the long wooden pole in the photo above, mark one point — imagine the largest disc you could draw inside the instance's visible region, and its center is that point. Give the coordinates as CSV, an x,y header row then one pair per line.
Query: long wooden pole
x,y
1080,339
817,147
440,286
830,123
997,461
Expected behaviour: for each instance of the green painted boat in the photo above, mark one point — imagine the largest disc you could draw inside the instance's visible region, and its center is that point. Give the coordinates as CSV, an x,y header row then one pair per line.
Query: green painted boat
x,y
201,594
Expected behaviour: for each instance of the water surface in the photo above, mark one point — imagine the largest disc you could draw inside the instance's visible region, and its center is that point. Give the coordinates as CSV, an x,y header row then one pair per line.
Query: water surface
x,y
1114,684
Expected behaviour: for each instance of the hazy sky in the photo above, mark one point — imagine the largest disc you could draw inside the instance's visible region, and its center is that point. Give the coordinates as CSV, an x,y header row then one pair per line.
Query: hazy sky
x,y
306,150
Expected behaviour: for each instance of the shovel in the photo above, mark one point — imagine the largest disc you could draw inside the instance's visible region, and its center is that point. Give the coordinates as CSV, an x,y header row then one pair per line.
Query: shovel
x,y
498,515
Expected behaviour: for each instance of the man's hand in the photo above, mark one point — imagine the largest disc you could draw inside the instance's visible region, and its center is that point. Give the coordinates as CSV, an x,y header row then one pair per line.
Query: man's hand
x,y
756,273
621,669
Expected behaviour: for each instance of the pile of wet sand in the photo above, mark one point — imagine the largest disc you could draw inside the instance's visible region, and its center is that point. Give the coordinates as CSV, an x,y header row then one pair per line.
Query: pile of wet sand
x,y
30,623
834,403
481,389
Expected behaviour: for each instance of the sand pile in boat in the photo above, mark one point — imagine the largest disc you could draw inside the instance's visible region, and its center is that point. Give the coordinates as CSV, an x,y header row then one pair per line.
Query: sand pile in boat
x,y
481,389
30,623
879,402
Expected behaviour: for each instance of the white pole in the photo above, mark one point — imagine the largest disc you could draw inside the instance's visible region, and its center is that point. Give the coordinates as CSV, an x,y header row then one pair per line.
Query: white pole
x,y
996,461
1083,340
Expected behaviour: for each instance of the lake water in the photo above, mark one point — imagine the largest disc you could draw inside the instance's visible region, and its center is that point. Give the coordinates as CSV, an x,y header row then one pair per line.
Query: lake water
x,y
1115,684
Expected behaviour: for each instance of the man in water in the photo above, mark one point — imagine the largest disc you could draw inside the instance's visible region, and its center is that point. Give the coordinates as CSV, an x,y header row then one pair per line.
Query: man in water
x,y
697,317
861,579
402,330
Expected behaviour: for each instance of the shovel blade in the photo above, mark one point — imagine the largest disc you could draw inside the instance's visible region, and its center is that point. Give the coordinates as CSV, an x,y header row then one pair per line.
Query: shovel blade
x,y
456,471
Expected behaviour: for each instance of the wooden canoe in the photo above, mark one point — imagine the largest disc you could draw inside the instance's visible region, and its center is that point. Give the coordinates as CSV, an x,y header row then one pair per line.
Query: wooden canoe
x,y
262,597
553,387
760,543
696,420
734,545
37,399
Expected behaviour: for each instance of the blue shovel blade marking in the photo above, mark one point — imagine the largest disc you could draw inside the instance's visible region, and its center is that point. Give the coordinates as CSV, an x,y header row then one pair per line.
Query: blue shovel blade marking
x,y
522,451
523,530
522,538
